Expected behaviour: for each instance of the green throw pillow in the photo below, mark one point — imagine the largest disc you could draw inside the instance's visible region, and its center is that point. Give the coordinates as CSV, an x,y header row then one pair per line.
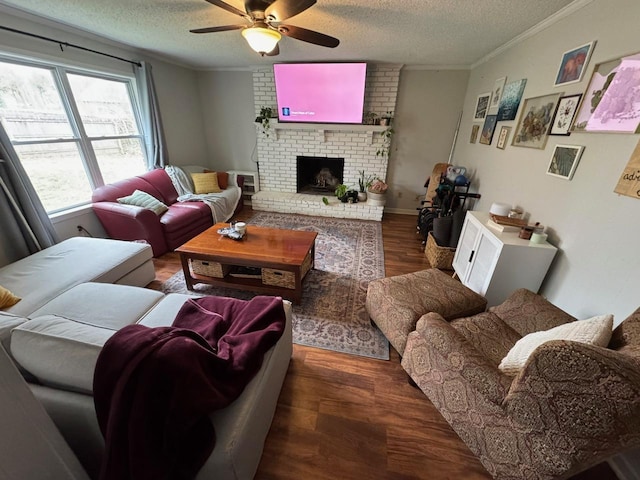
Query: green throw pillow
x,y
144,200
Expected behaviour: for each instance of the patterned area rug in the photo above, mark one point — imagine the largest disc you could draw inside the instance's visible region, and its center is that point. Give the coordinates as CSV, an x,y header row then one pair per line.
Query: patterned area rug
x,y
332,313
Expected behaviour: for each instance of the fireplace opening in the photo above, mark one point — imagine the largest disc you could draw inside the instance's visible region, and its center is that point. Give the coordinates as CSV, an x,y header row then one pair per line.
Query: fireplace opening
x,y
318,175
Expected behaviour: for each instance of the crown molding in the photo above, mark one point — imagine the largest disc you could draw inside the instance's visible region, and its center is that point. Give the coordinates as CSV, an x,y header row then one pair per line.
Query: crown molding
x,y
546,23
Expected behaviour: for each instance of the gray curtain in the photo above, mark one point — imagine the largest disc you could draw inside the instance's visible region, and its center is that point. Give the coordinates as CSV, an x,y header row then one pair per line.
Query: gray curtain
x,y
155,144
26,227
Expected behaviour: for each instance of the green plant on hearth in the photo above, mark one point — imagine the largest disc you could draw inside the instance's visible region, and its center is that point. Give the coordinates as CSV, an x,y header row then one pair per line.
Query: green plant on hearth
x,y
341,191
385,145
266,113
365,181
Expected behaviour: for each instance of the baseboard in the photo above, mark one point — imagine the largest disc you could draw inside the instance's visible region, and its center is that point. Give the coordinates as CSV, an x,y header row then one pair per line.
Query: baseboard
x,y
401,211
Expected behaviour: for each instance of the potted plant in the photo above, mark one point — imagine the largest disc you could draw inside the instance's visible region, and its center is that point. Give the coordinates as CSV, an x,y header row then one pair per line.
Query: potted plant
x,y
341,192
365,182
369,118
386,118
377,192
266,113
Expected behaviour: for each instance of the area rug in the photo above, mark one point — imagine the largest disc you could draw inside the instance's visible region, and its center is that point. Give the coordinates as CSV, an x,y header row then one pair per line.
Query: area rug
x,y
332,314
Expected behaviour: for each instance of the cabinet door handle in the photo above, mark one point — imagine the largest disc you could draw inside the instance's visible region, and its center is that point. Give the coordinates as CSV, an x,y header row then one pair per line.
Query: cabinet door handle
x,y
471,256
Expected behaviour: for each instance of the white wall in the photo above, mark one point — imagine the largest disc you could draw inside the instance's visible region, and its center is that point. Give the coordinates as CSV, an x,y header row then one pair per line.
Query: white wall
x,y
177,89
427,111
227,112
596,230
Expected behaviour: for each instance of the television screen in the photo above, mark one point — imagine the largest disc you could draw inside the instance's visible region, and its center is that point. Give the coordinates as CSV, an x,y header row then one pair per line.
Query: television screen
x,y
320,92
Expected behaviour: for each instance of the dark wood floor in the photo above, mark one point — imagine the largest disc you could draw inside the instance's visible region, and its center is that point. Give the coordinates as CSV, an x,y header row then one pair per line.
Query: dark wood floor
x,y
345,417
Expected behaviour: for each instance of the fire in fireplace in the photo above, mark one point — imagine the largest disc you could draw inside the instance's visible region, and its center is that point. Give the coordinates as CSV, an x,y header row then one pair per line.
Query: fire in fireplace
x,y
318,175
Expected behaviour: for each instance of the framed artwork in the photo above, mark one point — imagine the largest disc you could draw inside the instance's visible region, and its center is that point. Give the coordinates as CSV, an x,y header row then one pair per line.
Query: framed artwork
x,y
534,122
482,105
573,64
488,128
511,96
474,133
611,102
564,161
496,93
563,117
502,138
629,182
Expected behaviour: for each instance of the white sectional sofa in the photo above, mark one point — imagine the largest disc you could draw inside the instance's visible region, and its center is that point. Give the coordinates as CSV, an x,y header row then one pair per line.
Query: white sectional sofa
x,y
56,335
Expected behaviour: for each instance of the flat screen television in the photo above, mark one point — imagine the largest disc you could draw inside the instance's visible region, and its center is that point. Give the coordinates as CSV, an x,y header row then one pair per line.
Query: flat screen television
x,y
320,92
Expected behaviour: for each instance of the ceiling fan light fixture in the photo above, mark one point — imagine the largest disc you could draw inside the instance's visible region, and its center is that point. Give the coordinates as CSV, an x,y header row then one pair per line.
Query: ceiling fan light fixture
x,y
261,39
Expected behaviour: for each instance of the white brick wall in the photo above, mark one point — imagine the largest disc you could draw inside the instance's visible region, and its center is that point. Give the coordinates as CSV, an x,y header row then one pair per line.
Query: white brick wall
x,y
277,153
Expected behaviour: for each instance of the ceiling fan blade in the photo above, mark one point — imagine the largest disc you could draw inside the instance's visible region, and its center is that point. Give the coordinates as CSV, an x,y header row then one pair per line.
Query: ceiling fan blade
x,y
309,36
280,10
274,52
223,28
227,7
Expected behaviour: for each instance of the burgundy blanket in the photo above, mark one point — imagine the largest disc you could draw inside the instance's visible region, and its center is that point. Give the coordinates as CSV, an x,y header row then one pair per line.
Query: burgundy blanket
x,y
155,387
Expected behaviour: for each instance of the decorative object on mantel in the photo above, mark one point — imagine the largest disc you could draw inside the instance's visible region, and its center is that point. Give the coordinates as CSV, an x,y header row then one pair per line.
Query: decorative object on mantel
x,y
377,192
574,64
612,100
564,161
386,119
370,118
629,183
534,122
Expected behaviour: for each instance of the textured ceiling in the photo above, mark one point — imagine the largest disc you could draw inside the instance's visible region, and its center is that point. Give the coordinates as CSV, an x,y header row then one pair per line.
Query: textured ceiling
x,y
432,33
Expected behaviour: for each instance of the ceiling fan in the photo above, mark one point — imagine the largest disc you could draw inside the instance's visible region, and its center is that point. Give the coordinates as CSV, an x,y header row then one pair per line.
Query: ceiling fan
x,y
265,28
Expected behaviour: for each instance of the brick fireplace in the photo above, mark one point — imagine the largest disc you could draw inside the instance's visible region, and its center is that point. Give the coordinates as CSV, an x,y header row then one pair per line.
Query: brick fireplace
x,y
356,144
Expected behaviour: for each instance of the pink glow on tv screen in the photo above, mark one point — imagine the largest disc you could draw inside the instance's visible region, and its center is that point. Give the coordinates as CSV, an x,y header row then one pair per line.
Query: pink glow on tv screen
x,y
320,92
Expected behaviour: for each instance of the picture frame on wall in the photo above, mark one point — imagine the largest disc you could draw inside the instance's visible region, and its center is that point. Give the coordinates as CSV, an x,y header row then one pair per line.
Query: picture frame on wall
x,y
482,106
474,133
534,122
563,116
564,161
611,102
573,64
488,128
510,102
502,138
496,94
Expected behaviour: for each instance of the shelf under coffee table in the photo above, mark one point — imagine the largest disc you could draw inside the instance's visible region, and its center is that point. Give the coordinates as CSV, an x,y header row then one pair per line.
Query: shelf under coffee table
x,y
283,257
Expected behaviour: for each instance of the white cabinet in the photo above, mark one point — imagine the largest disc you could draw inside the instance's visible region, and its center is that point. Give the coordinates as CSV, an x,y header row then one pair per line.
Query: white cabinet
x,y
251,184
494,263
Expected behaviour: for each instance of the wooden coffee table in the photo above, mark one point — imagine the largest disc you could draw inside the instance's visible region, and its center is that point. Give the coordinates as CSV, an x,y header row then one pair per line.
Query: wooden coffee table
x,y
280,260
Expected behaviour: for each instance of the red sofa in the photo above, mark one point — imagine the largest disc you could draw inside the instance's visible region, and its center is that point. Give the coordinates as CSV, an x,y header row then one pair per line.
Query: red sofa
x,y
183,220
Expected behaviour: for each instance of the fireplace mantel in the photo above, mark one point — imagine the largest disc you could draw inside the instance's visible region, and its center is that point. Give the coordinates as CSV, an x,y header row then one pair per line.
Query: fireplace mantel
x,y
322,128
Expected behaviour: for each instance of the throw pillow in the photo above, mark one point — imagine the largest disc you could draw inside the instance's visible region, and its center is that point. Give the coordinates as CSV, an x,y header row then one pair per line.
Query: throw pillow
x,y
205,182
594,331
223,178
144,200
7,299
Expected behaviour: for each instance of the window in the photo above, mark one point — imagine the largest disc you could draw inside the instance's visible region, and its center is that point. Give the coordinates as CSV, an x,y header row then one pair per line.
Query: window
x,y
73,131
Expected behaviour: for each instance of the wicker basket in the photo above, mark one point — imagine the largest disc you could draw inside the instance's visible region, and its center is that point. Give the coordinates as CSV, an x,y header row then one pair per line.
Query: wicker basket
x,y
284,278
439,257
209,269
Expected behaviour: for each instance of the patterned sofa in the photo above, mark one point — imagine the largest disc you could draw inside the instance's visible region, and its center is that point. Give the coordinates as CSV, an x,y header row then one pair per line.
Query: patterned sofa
x,y
572,405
